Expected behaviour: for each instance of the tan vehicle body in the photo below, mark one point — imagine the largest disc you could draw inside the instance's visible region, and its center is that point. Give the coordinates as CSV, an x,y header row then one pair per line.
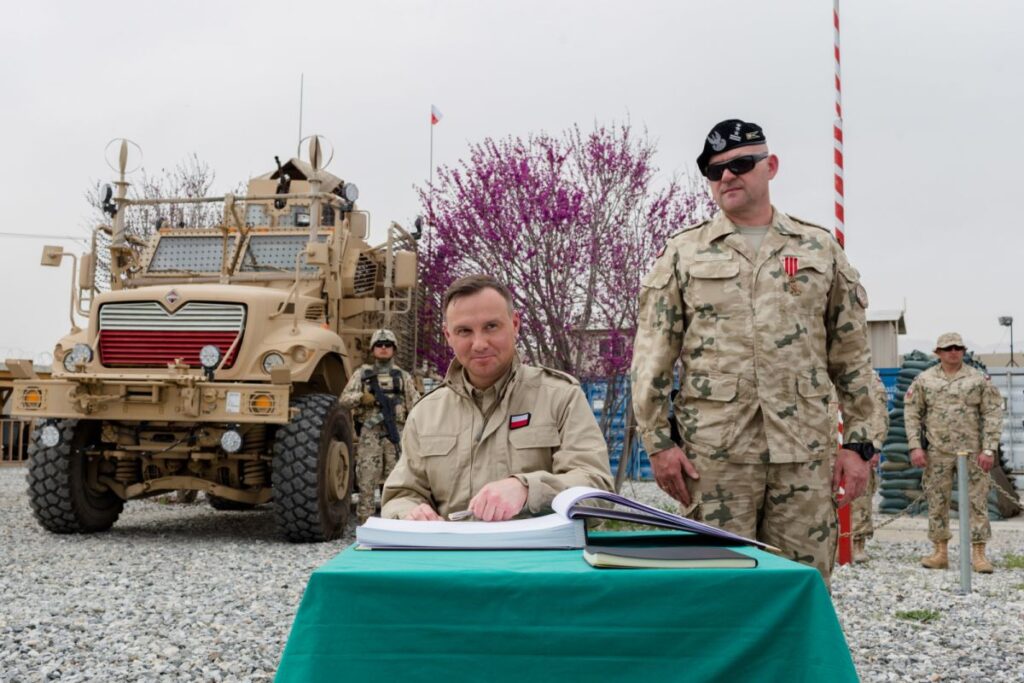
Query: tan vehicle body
x,y
289,309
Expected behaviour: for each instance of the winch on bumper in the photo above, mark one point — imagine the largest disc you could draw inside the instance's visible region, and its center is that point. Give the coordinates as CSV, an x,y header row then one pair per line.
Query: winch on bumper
x,y
151,397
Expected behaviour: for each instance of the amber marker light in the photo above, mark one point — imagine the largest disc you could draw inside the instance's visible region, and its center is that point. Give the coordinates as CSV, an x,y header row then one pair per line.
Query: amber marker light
x,y
32,398
261,404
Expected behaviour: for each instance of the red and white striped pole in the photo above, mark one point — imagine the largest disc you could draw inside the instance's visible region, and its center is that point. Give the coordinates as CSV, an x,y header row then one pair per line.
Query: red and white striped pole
x,y
845,522
837,130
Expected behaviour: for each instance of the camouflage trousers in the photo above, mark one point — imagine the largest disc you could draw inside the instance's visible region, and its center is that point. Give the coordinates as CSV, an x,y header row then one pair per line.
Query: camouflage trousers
x,y
787,505
375,459
938,483
860,510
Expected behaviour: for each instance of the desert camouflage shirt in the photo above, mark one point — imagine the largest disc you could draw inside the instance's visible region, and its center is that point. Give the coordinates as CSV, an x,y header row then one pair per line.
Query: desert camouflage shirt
x,y
879,428
762,339
959,413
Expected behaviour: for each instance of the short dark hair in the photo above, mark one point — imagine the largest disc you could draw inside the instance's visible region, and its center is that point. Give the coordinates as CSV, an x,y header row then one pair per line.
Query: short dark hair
x,y
471,284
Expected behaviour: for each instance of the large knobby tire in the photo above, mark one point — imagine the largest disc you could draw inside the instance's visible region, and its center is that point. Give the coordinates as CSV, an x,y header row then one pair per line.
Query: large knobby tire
x,y
313,470
62,499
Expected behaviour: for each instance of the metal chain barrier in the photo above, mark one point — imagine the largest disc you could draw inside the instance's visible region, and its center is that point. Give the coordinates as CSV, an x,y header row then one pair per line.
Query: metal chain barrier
x,y
993,486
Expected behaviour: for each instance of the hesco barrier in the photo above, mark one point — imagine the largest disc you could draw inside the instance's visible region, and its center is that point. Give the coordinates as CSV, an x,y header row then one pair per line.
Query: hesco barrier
x,y
612,419
610,410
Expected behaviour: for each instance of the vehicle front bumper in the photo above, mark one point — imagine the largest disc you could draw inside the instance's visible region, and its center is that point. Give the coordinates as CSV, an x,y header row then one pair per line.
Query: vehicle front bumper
x,y
184,397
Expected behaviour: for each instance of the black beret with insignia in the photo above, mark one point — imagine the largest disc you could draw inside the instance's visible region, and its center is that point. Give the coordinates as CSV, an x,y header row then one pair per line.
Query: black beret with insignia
x,y
729,134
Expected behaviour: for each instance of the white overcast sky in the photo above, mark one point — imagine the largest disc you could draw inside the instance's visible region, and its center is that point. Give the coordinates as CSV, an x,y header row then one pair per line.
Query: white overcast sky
x,y
932,100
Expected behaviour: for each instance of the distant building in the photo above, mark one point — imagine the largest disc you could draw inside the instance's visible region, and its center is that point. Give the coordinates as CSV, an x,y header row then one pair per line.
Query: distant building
x,y
884,327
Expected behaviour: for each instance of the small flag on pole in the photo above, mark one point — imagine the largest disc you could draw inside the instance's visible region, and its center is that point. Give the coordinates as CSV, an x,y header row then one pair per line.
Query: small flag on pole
x,y
435,115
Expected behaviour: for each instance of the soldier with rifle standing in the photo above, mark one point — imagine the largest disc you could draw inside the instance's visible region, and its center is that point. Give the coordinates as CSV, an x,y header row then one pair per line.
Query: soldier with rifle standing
x,y
380,396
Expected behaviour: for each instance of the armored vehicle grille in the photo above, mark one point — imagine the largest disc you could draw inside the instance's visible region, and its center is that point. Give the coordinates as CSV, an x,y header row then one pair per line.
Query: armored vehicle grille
x,y
365,280
315,312
145,334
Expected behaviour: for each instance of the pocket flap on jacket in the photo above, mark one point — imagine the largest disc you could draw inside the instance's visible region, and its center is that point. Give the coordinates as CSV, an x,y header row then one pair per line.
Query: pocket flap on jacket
x,y
820,265
535,436
715,270
437,445
808,389
711,387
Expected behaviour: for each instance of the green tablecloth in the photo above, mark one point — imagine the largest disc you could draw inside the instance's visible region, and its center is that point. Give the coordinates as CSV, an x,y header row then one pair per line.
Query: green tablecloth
x,y
542,615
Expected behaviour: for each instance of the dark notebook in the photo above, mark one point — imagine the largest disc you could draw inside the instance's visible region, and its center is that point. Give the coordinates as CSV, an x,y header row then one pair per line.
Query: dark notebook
x,y
662,552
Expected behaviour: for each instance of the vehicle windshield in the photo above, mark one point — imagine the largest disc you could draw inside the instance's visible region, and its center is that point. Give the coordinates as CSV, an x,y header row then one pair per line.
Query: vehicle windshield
x,y
275,253
189,253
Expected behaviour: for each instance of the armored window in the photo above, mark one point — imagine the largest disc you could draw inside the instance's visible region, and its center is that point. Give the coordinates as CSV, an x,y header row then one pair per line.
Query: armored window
x,y
276,252
189,253
256,215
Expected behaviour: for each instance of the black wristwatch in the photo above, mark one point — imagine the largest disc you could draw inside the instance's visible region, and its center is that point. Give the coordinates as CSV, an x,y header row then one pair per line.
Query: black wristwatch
x,y
864,449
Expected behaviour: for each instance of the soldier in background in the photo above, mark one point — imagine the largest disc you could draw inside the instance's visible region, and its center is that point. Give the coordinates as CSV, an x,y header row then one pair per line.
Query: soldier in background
x,y
765,315
380,396
958,409
862,527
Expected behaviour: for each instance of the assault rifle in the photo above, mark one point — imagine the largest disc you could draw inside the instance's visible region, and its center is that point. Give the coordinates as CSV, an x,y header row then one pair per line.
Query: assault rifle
x,y
387,407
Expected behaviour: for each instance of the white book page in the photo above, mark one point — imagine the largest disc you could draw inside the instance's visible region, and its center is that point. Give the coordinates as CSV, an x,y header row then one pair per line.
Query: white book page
x,y
542,523
569,497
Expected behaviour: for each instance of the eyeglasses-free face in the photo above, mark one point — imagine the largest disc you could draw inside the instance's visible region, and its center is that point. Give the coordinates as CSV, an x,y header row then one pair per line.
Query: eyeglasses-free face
x,y
736,165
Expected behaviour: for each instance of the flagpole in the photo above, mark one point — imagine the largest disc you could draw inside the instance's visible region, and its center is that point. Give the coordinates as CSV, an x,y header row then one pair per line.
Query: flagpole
x,y
837,133
430,191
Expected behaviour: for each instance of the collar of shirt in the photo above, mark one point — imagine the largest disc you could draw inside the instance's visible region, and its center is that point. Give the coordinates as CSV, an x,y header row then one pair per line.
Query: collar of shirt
x,y
721,225
456,380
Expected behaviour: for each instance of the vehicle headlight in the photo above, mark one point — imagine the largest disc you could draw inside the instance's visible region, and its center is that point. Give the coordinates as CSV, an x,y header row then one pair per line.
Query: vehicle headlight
x,y
231,441
209,356
49,435
79,353
271,361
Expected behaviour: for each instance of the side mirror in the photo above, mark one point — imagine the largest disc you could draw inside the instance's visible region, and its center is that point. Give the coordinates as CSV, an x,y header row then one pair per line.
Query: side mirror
x,y
405,269
51,256
87,271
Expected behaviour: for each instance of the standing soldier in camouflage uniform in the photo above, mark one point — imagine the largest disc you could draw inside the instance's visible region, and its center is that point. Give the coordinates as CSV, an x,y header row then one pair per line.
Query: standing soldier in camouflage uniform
x,y
765,315
862,527
959,410
380,425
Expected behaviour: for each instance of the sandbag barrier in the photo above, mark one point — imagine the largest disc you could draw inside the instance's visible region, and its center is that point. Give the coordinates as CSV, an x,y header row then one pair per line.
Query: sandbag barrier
x,y
901,482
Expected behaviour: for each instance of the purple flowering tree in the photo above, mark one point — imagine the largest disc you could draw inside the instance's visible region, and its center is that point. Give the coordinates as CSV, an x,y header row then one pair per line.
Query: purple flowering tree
x,y
570,223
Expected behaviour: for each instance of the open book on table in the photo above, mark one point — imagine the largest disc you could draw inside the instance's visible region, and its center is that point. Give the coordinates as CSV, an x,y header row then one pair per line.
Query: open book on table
x,y
564,528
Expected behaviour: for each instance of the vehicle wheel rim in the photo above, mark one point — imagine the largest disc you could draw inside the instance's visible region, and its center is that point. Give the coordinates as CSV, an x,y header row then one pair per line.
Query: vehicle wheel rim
x,y
337,471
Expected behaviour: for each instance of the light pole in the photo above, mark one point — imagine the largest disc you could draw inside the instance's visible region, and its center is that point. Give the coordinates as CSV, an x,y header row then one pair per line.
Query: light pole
x,y
1007,321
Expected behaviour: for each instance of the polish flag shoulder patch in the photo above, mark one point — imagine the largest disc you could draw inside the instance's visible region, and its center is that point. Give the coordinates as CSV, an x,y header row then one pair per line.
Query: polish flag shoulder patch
x,y
518,421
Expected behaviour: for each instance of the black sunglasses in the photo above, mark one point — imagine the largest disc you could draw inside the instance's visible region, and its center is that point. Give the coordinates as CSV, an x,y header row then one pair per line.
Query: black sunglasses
x,y
384,345
736,166
953,348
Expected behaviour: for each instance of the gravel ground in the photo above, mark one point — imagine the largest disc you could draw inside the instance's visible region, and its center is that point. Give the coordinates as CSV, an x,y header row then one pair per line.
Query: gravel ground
x,y
184,593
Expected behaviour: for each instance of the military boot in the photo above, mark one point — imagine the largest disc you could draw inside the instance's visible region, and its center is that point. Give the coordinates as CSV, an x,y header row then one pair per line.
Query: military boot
x,y
938,559
979,562
859,553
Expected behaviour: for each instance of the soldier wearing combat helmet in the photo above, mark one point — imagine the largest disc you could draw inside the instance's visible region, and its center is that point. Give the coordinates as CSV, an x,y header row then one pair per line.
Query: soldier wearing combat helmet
x,y
765,315
380,396
957,409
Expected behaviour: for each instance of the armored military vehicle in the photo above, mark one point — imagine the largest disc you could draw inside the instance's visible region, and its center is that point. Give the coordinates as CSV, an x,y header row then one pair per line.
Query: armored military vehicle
x,y
214,360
